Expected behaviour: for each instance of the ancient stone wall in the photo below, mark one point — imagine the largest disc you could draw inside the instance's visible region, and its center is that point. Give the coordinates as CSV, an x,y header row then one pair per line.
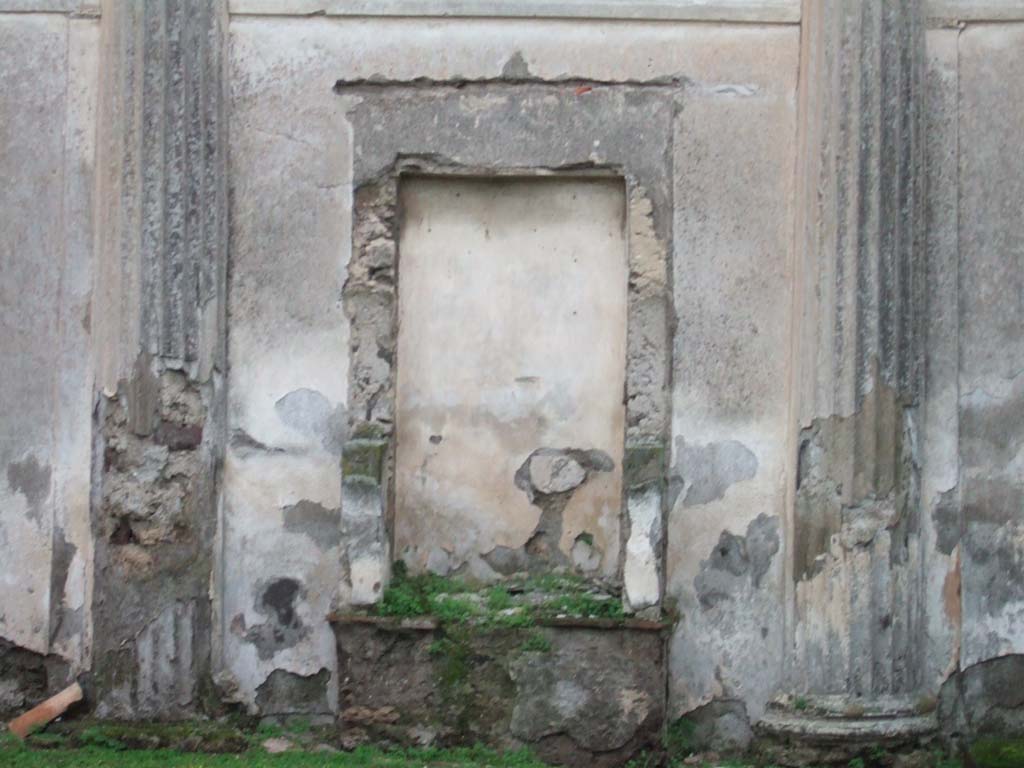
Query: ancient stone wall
x,y
817,472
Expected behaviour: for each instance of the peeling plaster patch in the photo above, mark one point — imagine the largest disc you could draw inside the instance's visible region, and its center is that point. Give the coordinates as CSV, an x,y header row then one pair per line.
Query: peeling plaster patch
x,y
245,443
736,561
65,621
285,692
283,629
506,560
31,479
707,471
946,516
994,564
584,556
555,473
321,524
307,411
549,485
515,68
721,724
559,461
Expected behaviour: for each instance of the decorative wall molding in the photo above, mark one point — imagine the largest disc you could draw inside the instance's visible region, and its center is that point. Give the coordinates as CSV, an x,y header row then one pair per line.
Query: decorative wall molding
x,y
759,11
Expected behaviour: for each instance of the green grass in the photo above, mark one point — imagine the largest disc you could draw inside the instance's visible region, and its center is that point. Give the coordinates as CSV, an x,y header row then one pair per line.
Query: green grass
x,y
13,753
454,601
993,752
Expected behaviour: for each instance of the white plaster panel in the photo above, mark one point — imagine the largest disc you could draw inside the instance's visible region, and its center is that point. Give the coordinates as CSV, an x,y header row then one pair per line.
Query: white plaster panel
x,y
33,68
991,242
734,159
940,424
512,333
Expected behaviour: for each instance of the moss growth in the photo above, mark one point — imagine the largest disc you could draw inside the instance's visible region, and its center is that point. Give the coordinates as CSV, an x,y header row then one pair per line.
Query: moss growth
x,y
679,739
993,752
535,642
200,736
455,601
15,753
498,599
582,604
364,457
453,654
643,463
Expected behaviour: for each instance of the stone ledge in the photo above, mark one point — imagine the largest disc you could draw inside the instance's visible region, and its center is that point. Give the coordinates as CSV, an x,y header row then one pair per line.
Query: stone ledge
x,y
430,623
764,11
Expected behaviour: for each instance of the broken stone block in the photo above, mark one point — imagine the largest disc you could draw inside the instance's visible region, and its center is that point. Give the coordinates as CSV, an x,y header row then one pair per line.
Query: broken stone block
x,y
555,473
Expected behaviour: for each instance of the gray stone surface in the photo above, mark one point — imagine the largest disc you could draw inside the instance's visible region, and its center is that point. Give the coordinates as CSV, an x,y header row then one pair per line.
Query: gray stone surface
x,y
159,319
991,245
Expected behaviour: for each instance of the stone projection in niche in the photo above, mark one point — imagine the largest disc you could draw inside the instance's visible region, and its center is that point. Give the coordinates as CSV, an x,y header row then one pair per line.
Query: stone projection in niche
x,y
510,374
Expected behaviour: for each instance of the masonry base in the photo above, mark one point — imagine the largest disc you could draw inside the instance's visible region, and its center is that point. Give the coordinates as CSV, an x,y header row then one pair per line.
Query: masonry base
x,y
578,692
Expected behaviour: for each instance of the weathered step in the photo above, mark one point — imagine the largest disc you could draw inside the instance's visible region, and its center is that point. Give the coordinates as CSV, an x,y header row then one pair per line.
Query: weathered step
x,y
831,730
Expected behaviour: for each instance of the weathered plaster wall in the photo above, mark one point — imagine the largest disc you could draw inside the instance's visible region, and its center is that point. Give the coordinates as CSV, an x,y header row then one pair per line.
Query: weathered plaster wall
x,y
49,66
991,281
971,480
512,340
786,368
292,235
940,519
733,272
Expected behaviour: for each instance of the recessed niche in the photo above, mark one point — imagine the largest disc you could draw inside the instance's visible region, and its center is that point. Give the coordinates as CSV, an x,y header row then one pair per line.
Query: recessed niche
x,y
510,419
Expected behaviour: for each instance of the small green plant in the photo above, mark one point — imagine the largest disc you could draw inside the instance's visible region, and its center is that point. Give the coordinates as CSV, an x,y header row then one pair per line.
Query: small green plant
x,y
800,703
453,609
644,760
96,736
679,738
582,605
991,752
555,582
498,599
857,762
536,642
299,725
453,653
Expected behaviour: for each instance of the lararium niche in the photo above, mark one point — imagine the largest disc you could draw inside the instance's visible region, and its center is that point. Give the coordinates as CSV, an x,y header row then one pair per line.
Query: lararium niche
x,y
509,306
510,315
511,357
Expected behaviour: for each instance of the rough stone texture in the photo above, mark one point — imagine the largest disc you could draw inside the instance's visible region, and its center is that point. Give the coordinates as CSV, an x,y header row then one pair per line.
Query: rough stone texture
x,y
837,730
856,555
26,678
984,699
595,698
49,65
159,321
